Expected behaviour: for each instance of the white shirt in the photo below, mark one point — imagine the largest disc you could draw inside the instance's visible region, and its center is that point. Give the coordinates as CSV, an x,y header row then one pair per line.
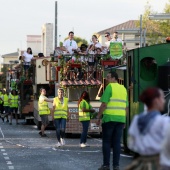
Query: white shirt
x,y
42,98
165,152
27,57
151,142
69,45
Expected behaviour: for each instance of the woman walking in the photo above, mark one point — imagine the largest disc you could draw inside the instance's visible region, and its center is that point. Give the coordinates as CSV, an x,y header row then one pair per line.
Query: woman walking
x,y
147,131
84,116
60,115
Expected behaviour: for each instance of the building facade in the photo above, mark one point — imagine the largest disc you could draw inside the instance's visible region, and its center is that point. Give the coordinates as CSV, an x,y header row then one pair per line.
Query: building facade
x,y
47,39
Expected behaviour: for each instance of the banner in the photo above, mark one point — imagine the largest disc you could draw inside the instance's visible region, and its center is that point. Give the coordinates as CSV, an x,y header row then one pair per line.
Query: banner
x,y
116,51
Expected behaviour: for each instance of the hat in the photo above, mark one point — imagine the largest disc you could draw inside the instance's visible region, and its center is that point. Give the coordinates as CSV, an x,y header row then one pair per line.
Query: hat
x,y
107,33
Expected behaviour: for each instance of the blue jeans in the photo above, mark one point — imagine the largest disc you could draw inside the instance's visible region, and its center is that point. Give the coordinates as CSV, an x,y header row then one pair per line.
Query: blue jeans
x,y
85,125
60,126
112,132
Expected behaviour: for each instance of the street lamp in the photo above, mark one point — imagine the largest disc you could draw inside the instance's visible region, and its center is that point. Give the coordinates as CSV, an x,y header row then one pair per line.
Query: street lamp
x,y
160,16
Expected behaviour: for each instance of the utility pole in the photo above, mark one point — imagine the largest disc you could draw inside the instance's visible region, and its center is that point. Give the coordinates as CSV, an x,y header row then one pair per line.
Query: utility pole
x,y
56,13
140,30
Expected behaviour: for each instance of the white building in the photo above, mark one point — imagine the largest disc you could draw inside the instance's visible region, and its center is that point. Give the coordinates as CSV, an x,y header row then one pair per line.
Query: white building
x,y
47,39
34,42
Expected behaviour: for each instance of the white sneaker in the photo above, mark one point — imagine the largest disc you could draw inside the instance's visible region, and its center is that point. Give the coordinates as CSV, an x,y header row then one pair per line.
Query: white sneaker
x,y
58,144
62,141
82,145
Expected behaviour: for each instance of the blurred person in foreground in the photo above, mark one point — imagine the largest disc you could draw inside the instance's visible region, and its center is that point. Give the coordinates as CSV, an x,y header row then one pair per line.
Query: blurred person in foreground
x,y
147,131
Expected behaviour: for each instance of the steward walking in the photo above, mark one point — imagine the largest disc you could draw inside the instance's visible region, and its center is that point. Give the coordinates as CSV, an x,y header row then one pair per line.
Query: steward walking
x,y
5,99
60,115
13,100
113,108
44,111
84,116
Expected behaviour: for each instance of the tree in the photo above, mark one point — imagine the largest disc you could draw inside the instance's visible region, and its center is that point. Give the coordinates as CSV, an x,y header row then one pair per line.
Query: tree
x,y
79,41
152,27
157,30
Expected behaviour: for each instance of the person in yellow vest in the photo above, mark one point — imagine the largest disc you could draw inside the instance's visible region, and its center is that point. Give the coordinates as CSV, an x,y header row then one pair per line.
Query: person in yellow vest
x,y
1,103
113,113
5,98
84,116
44,111
60,115
13,102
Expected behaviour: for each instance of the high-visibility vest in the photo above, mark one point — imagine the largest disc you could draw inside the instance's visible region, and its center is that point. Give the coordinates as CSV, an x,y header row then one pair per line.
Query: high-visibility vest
x,y
116,107
13,85
14,101
43,108
60,108
84,116
6,98
0,97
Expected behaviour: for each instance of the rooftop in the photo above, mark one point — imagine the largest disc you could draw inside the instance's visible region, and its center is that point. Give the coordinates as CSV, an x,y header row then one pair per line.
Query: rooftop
x,y
131,24
10,55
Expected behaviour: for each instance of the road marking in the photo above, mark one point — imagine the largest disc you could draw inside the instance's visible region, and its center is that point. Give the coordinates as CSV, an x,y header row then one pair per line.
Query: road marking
x,y
2,133
5,154
81,151
8,162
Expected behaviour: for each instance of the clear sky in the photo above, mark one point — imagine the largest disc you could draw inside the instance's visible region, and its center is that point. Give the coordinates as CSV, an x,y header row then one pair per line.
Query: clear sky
x,y
19,18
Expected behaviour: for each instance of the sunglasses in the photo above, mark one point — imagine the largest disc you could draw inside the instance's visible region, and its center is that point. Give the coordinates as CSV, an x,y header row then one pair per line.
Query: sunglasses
x,y
106,35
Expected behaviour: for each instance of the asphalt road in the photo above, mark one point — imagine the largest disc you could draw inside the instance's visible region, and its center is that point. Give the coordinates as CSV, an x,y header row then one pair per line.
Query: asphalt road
x,y
22,148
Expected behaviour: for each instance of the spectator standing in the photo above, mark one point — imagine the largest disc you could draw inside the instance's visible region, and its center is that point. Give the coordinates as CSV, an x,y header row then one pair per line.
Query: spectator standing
x,y
84,116
116,38
147,131
60,115
27,57
113,113
69,44
108,39
44,111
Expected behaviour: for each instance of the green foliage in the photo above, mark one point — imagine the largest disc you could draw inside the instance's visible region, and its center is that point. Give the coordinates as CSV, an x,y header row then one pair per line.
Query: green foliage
x,y
157,30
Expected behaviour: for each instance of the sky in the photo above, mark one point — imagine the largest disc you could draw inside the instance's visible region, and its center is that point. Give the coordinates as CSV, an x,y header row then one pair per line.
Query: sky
x,y
19,18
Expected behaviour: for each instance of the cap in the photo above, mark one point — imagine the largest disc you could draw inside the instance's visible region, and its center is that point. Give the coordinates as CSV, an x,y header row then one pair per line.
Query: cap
x,y
107,33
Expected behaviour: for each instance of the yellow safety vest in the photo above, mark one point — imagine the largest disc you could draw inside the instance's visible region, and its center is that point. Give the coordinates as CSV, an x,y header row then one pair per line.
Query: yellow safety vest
x,y
84,116
14,101
43,108
6,98
60,109
0,97
116,107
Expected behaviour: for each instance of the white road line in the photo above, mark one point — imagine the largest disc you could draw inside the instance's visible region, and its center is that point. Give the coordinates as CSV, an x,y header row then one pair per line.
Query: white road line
x,y
11,167
81,151
1,147
2,133
5,154
3,150
9,162
6,157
